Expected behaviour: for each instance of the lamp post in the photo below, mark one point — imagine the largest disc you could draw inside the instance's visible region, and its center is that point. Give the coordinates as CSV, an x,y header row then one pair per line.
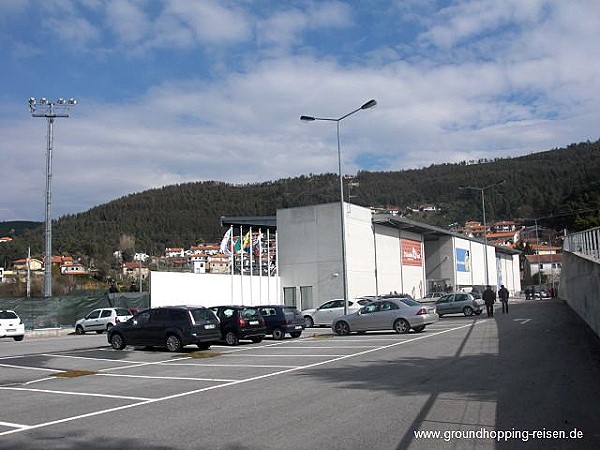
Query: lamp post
x,y
367,105
49,110
482,190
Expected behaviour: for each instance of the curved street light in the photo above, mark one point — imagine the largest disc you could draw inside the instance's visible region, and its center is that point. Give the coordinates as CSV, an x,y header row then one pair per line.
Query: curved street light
x,y
482,190
367,105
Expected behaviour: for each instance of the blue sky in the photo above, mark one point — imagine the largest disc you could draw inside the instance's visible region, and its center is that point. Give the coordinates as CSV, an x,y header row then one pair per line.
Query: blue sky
x,y
183,90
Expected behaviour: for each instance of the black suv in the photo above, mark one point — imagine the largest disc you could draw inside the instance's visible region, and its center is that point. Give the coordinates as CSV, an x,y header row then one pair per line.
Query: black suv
x,y
240,322
281,320
172,327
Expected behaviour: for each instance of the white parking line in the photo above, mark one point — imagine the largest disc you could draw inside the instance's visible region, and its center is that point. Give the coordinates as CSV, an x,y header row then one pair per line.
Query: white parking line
x,y
42,369
149,377
233,383
82,394
14,425
294,355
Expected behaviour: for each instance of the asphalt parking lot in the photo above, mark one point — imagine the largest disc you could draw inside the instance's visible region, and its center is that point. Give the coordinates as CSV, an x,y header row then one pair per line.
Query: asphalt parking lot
x,y
319,390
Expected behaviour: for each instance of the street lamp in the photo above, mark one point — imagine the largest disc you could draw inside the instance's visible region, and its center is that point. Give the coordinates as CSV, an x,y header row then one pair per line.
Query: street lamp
x,y
482,190
50,110
367,105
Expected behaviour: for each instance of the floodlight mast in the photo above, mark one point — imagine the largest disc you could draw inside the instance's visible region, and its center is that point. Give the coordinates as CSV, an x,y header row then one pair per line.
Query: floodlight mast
x,y
366,105
50,110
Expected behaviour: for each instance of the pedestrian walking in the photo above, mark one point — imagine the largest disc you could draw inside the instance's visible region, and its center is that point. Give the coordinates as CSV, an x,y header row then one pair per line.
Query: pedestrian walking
x,y
489,297
503,295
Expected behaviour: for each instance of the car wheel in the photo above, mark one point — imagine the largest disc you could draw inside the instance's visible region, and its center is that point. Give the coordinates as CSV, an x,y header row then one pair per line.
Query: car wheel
x,y
468,311
308,322
231,338
99,331
401,326
256,340
79,330
419,328
440,315
478,313
341,328
278,334
295,335
117,342
204,345
173,343
109,326
19,338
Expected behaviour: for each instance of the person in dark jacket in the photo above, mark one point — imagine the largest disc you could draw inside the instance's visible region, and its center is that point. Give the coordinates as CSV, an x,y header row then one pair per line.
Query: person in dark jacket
x,y
489,297
503,296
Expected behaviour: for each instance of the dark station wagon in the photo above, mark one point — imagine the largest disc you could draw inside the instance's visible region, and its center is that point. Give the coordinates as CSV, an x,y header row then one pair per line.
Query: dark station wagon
x,y
172,327
240,322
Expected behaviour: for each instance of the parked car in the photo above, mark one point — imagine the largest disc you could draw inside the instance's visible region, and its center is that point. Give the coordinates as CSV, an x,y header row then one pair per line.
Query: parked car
x,y
398,314
102,319
240,322
281,320
172,327
459,302
324,314
11,325
431,296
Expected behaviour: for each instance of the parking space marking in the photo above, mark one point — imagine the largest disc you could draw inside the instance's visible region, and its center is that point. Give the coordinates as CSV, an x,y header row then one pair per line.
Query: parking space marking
x,y
151,377
14,425
82,394
237,382
42,369
256,366
290,355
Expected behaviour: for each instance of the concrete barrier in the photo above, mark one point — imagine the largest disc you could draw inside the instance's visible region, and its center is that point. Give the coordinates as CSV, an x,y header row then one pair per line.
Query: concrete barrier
x,y
580,287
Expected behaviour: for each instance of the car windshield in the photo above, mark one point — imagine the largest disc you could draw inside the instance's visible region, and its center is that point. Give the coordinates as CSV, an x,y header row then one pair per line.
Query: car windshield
x,y
7,315
249,313
122,312
288,311
201,315
410,302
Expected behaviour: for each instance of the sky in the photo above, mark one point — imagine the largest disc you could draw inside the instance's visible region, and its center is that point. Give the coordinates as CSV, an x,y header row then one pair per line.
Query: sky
x,y
180,91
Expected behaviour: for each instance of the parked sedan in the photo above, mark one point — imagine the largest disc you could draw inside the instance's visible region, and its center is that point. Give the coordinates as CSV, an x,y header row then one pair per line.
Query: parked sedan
x,y
101,320
398,314
11,325
324,314
459,302
172,327
281,320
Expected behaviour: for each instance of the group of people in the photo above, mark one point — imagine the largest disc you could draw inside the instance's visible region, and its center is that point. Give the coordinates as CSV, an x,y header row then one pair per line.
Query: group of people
x,y
489,297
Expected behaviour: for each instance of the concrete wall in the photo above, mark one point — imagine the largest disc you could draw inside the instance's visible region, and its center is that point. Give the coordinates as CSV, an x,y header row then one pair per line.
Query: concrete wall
x,y
176,288
580,287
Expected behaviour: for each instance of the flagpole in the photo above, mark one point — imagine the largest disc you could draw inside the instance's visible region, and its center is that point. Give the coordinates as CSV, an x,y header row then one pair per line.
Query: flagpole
x,y
242,264
268,268
250,256
259,243
231,260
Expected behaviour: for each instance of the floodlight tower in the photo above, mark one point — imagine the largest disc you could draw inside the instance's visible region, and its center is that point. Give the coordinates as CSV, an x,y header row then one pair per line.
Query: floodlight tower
x,y
50,110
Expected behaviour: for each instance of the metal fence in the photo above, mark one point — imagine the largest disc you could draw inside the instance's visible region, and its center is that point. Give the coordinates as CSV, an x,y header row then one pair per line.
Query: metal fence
x,y
585,242
63,311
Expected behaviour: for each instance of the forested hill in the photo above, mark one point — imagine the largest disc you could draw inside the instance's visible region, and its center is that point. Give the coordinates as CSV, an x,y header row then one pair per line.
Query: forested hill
x,y
537,185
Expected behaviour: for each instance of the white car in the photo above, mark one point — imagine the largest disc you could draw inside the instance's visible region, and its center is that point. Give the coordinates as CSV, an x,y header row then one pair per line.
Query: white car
x,y
103,319
324,314
11,325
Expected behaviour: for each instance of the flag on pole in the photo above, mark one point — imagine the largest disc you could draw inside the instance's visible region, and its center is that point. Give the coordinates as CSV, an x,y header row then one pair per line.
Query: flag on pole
x,y
257,243
246,243
225,247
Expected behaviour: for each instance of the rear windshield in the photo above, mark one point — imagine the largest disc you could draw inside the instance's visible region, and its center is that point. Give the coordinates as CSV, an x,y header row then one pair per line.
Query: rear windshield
x,y
203,315
289,311
249,313
7,315
410,302
122,312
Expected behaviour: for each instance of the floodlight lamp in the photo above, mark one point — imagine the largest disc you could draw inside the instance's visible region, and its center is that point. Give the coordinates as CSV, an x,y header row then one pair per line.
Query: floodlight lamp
x,y
43,101
72,102
307,118
60,101
32,100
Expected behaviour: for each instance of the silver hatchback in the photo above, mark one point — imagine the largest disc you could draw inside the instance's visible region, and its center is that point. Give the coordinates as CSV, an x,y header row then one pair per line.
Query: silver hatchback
x,y
459,303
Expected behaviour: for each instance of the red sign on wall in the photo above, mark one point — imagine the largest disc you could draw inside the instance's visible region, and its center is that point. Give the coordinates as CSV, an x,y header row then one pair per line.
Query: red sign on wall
x,y
411,252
